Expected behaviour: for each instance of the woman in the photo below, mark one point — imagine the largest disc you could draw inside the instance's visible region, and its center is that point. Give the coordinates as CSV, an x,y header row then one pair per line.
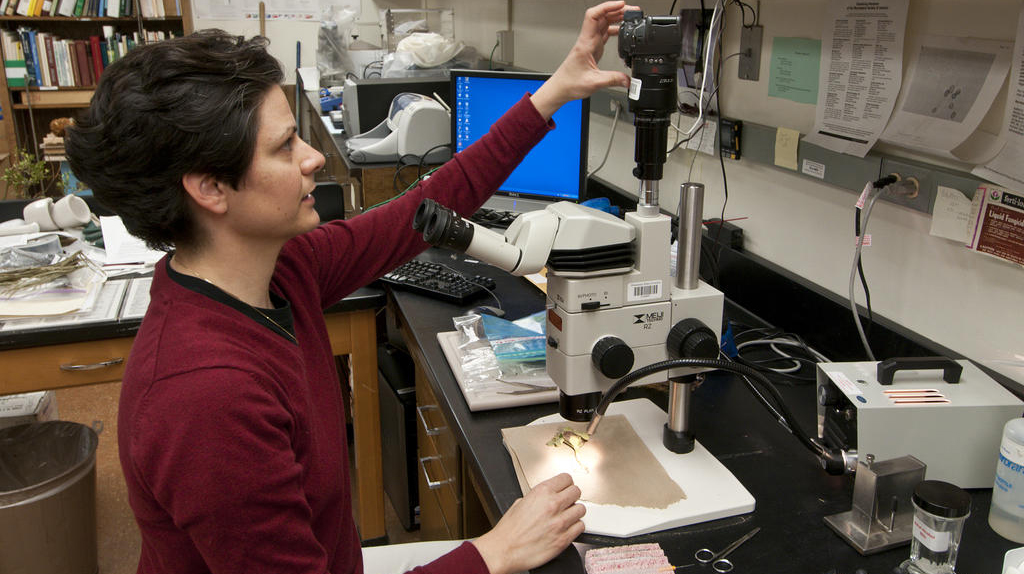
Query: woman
x,y
231,426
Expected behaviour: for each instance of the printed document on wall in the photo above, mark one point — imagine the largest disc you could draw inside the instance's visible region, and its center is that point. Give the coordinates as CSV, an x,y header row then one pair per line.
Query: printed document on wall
x,y
862,66
1007,168
953,82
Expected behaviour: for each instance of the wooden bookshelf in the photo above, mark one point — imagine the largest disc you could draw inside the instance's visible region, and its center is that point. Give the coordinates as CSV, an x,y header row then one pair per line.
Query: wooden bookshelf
x,y
27,112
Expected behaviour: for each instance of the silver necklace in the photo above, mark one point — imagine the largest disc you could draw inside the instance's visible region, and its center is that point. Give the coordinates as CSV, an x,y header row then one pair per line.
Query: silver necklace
x,y
256,309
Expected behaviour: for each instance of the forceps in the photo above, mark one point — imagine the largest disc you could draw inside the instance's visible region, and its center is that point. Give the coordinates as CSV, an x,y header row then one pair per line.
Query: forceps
x,y
718,561
530,388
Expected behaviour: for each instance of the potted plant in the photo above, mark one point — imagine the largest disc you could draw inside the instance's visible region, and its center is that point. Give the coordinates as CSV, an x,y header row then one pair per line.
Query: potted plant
x,y
29,177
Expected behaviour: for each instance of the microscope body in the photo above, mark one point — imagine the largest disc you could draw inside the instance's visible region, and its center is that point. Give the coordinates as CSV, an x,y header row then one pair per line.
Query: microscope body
x,y
591,320
613,305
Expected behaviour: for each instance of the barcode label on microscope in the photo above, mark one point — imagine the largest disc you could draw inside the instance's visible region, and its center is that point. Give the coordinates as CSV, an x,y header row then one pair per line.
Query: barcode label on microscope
x,y
644,291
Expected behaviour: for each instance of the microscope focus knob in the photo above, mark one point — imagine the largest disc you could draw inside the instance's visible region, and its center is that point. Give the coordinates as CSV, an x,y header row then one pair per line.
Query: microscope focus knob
x,y
692,339
612,356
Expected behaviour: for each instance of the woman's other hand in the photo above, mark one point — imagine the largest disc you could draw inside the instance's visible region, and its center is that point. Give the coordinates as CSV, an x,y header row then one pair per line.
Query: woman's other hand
x,y
535,529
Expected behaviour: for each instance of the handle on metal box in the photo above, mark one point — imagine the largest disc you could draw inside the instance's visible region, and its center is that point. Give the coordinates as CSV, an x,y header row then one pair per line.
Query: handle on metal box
x,y
951,369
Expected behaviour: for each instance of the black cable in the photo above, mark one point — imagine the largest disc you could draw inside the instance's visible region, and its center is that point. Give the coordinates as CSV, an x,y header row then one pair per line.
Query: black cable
x,y
672,10
802,354
399,166
860,273
420,164
725,182
748,374
423,158
743,8
371,64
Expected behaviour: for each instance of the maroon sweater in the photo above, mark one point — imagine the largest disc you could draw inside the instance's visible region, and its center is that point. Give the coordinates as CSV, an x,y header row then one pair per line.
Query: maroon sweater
x,y
232,437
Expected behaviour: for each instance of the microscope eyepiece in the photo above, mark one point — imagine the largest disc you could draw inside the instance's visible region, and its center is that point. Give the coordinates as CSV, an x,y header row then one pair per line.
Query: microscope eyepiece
x,y
442,227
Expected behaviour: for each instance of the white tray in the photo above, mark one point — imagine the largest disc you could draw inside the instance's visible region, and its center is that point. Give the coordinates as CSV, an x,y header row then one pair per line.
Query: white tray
x,y
494,397
712,492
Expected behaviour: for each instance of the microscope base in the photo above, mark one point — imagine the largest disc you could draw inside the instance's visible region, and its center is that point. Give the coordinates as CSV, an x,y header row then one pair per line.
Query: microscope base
x,y
712,492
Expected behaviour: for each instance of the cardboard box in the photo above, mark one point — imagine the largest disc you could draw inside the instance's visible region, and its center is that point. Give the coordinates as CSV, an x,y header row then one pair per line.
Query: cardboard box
x,y
27,408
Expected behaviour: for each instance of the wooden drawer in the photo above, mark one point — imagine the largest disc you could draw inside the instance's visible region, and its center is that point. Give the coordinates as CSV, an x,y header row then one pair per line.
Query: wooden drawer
x,y
56,366
440,492
433,524
439,459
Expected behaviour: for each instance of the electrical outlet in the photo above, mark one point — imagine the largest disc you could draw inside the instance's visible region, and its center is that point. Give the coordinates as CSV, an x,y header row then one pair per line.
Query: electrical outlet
x,y
750,52
505,46
924,178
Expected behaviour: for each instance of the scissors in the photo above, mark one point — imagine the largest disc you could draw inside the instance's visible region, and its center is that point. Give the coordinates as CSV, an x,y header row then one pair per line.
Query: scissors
x,y
719,562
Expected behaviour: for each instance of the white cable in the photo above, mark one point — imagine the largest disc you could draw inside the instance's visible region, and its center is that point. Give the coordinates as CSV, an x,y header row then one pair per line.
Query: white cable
x,y
615,122
853,273
708,58
783,341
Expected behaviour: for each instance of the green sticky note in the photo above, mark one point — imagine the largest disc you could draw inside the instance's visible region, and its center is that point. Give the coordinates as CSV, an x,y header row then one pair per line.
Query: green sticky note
x,y
794,69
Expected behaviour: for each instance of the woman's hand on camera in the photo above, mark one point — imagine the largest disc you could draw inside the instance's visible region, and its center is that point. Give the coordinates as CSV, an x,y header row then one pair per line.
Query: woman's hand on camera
x,y
578,76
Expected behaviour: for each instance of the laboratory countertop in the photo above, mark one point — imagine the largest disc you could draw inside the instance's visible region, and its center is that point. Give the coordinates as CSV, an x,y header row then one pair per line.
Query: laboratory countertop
x,y
793,494
364,298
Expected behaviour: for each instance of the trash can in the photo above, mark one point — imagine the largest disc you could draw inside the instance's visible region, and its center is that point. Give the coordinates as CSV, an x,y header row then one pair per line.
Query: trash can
x,y
48,499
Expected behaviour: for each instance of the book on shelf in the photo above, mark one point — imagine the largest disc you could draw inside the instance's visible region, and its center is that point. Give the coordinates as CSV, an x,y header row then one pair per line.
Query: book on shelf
x,y
84,64
60,54
27,46
58,97
66,8
51,61
95,52
15,70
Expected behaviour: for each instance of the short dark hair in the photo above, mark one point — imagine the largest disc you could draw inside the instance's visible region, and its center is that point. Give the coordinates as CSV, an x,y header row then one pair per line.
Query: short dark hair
x,y
183,105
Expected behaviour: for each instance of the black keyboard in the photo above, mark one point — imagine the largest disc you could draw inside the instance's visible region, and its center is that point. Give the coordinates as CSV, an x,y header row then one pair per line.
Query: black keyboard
x,y
493,218
437,281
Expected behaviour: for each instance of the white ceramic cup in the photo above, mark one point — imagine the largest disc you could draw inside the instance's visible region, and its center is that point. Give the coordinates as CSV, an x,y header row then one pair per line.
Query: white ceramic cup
x,y
71,211
40,212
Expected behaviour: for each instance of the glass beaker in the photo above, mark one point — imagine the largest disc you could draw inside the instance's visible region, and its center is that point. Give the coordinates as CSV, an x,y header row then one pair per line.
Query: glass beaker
x,y
940,511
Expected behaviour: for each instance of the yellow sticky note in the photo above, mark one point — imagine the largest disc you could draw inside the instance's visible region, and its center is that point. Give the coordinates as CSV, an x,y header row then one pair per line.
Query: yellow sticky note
x,y
786,143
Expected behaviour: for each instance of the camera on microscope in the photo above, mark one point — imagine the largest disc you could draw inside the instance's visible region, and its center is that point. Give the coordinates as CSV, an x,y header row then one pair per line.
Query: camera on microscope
x,y
650,47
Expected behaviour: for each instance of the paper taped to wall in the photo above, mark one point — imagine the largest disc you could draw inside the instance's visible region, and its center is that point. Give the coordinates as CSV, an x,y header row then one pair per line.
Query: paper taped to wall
x,y
953,82
862,67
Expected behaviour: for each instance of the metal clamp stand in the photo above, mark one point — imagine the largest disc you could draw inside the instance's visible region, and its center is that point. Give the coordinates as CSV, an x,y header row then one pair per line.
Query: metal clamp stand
x,y
882,516
677,436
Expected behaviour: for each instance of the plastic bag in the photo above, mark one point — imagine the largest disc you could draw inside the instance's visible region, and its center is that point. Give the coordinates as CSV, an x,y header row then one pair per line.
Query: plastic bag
x,y
404,65
477,359
429,49
333,42
520,346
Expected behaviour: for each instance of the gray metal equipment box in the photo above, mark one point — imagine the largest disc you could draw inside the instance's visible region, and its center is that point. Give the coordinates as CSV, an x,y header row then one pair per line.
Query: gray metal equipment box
x,y
952,420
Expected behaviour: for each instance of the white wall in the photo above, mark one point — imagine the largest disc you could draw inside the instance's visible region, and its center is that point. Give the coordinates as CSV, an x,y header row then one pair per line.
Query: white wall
x,y
965,301
968,302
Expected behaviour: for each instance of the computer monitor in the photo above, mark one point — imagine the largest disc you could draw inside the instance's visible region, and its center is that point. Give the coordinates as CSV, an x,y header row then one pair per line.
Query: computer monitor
x,y
554,170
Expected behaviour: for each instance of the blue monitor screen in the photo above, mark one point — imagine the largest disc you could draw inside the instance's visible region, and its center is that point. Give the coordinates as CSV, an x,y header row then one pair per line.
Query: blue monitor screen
x,y
554,169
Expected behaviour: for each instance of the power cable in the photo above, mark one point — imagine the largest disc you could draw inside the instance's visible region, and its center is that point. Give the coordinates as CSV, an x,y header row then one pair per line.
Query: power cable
x,y
874,194
611,137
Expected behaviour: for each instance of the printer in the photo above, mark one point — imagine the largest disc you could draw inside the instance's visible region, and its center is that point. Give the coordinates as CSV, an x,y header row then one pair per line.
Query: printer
x,y
416,125
366,102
